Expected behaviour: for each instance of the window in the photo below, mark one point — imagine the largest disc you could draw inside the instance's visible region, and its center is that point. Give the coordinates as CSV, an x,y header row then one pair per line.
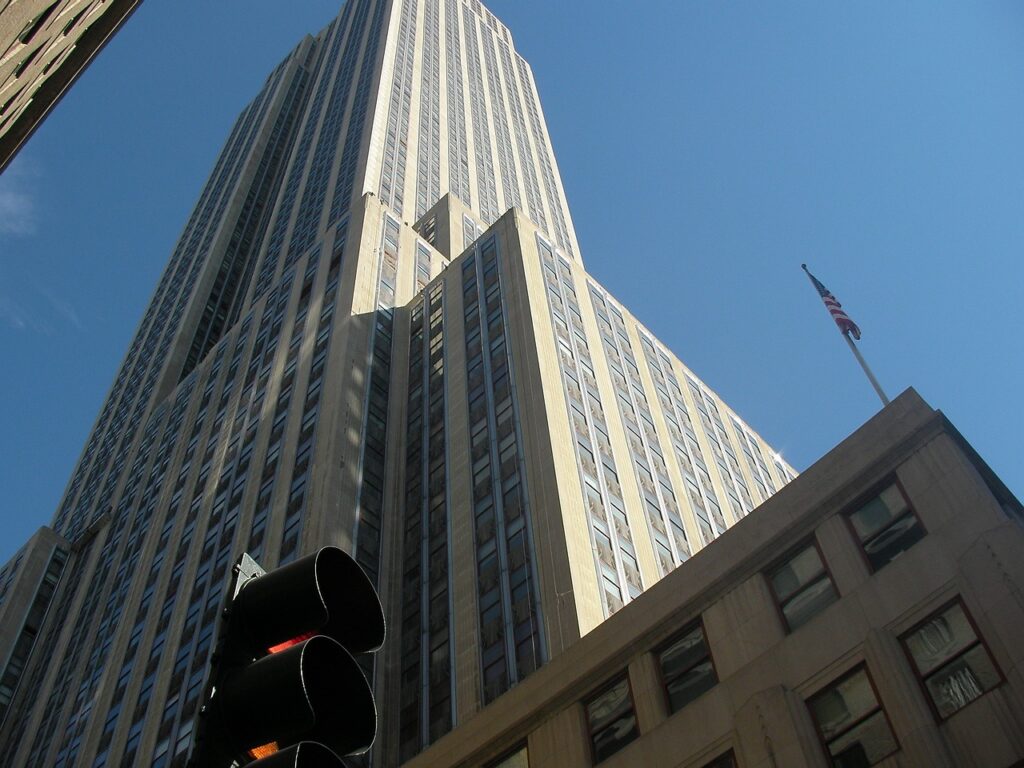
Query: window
x,y
728,760
852,723
518,758
802,586
611,719
686,668
951,661
886,526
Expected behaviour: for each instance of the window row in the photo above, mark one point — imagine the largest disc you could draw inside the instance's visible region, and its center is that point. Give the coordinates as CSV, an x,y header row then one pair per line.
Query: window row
x,y
884,526
946,651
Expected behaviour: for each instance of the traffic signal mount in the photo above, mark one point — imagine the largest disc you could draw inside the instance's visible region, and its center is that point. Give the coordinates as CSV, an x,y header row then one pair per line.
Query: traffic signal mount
x,y
285,687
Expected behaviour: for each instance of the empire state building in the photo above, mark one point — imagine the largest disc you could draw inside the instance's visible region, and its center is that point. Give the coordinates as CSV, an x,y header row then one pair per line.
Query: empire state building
x,y
377,332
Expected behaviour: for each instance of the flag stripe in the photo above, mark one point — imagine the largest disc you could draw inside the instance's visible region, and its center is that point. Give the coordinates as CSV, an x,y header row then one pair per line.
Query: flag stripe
x,y
846,325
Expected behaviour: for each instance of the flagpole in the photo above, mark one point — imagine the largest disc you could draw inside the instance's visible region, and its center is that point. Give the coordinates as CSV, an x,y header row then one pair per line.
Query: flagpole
x,y
867,371
846,327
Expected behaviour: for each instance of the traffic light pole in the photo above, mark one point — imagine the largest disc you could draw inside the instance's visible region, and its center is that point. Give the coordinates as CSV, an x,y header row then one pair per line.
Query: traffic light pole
x,y
206,753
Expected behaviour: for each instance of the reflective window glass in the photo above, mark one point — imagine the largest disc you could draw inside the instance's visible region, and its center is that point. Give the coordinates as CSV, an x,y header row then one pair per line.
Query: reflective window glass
x,y
517,759
612,720
802,587
686,668
886,526
728,760
852,722
953,664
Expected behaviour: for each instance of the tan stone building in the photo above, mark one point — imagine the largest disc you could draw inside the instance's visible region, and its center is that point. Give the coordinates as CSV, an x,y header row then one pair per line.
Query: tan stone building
x,y
581,462
27,584
44,46
871,610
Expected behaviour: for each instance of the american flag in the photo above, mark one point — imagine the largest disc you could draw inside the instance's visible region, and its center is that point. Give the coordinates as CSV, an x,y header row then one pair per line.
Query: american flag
x,y
846,325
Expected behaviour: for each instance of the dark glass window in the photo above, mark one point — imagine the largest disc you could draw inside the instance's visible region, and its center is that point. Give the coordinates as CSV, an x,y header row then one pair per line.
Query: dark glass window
x,y
951,661
728,760
611,719
886,526
852,723
518,758
802,586
686,668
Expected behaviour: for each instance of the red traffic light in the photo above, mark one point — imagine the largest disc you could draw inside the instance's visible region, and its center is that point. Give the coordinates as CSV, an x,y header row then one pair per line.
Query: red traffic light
x,y
324,593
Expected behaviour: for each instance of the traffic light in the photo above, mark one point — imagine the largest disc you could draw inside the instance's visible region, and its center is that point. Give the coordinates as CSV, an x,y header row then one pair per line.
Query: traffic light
x,y
285,688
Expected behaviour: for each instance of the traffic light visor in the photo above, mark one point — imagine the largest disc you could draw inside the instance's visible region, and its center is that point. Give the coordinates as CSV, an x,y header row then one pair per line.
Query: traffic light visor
x,y
325,593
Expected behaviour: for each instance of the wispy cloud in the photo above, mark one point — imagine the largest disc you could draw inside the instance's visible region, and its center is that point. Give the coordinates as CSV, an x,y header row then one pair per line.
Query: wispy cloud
x,y
17,202
12,315
28,302
63,308
29,312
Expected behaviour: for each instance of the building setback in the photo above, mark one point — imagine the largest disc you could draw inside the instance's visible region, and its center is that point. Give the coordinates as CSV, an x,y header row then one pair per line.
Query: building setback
x,y
869,613
376,332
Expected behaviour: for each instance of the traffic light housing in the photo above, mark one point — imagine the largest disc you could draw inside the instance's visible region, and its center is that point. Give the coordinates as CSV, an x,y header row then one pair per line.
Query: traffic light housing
x,y
285,682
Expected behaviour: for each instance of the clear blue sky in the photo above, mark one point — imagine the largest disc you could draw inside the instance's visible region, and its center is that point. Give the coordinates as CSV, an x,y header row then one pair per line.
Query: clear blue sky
x,y
707,148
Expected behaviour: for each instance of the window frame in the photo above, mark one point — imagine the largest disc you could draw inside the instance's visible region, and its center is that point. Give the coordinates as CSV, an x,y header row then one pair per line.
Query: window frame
x,y
978,640
833,683
777,565
597,693
660,649
861,502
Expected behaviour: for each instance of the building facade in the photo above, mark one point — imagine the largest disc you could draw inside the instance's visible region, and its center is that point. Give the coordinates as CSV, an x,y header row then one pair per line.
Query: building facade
x,y
376,332
44,46
869,614
558,461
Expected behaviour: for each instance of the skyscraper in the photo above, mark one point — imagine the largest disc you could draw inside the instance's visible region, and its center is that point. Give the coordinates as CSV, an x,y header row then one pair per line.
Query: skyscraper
x,y
375,331
44,46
